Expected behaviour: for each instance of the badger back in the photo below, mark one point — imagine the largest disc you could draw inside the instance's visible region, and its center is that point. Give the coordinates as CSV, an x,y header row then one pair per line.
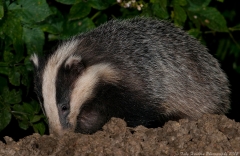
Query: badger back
x,y
142,70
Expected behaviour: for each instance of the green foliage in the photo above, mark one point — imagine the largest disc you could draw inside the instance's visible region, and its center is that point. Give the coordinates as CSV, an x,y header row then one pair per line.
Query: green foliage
x,y
31,26
1,9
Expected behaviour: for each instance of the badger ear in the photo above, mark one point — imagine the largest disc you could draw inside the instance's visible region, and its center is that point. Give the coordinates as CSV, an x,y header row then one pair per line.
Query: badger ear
x,y
72,61
34,58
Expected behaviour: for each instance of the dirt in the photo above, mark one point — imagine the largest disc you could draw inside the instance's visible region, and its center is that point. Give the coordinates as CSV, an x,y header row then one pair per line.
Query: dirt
x,y
210,135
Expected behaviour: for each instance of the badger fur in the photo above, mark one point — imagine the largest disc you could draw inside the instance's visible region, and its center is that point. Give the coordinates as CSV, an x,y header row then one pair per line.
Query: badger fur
x,y
144,71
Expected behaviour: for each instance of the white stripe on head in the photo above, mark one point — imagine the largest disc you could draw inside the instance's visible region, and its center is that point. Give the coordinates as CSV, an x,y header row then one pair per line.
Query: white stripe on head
x,y
85,85
49,80
34,58
73,59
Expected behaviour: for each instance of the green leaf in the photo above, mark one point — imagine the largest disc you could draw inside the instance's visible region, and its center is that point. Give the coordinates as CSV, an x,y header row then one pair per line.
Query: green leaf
x,y
14,77
79,10
25,79
54,23
3,83
236,27
36,118
236,67
12,97
53,28
18,108
66,1
223,48
36,106
127,13
14,6
179,2
155,1
5,117
28,64
4,68
98,4
19,113
212,18
1,9
196,33
12,27
34,39
75,27
7,39
162,3
39,128
2,35
111,2
23,124
194,18
160,9
179,15
102,18
28,108
24,73
196,5
8,56
34,10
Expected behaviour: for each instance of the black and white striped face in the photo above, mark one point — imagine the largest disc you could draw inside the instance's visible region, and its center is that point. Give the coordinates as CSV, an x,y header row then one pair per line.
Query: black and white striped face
x,y
64,82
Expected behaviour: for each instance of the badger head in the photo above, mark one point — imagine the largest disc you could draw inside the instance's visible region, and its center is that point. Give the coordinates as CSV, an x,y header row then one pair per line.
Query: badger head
x,y
66,86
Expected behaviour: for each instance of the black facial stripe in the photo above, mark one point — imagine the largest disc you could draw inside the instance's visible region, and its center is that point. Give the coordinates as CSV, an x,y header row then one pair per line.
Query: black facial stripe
x,y
66,77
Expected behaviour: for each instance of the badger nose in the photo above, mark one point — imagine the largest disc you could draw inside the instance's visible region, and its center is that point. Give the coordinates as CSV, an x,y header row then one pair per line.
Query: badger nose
x,y
53,132
57,132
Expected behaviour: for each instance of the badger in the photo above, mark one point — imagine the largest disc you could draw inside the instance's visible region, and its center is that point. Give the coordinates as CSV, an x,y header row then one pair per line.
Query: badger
x,y
143,70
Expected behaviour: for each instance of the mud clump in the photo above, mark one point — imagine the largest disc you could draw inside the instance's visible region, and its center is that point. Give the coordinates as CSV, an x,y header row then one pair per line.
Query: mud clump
x,y
210,135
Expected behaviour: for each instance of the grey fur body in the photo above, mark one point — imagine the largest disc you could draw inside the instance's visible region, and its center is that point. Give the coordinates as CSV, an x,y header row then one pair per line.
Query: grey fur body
x,y
142,70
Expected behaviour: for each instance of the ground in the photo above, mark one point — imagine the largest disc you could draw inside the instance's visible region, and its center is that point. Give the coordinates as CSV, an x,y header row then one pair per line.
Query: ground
x,y
210,135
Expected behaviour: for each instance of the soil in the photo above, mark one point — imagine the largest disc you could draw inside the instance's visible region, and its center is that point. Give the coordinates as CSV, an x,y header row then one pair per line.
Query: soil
x,y
209,135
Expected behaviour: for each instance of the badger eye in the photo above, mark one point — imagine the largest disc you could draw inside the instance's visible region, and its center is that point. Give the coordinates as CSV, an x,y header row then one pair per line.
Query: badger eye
x,y
64,108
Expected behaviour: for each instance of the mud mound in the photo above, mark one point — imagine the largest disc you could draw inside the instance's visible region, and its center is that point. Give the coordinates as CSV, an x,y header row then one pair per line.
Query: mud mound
x,y
210,135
